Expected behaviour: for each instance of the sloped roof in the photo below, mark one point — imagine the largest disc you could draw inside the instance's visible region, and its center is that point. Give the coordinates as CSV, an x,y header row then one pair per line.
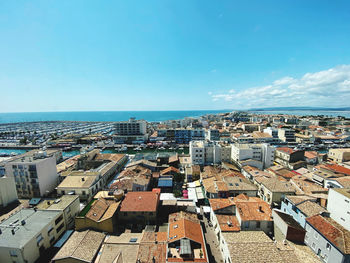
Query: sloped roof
x,y
140,201
310,208
81,245
334,232
218,204
185,229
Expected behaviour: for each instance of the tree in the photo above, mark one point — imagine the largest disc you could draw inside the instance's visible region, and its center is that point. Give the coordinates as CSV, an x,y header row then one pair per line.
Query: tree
x,y
178,177
177,193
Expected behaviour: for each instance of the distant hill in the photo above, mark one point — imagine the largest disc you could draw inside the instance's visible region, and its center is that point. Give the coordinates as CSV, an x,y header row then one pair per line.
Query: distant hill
x,y
300,109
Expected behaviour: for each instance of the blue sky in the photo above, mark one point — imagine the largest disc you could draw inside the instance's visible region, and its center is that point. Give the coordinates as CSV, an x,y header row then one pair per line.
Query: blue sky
x,y
173,55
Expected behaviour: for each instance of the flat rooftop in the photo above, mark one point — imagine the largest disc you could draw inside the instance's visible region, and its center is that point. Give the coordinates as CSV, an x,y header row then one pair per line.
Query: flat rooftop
x,y
57,204
34,223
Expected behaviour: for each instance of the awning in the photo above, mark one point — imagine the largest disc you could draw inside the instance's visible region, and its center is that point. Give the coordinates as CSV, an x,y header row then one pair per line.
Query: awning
x,y
63,239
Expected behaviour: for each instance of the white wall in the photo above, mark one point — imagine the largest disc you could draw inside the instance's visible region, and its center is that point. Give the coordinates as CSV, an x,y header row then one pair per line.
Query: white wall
x,y
8,192
339,207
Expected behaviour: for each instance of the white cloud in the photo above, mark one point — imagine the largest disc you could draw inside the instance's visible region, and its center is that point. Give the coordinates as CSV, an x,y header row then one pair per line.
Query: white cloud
x,y
324,88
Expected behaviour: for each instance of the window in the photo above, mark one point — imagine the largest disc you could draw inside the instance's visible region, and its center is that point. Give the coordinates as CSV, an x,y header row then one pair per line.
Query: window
x,y
58,219
49,229
342,219
258,224
328,246
13,253
347,201
39,238
313,245
59,228
316,235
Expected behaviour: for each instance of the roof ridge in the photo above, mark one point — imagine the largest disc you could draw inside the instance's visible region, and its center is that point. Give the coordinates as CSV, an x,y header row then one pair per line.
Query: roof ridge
x,y
87,231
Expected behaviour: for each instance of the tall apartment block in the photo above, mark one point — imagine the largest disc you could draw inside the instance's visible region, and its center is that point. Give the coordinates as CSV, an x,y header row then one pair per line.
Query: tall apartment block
x,y
35,174
130,131
260,156
8,193
286,135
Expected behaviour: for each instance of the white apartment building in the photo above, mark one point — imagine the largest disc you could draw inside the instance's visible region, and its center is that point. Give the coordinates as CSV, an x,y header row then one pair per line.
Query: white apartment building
x,y
272,131
225,152
26,235
261,155
212,135
338,205
130,131
286,135
35,174
131,127
205,152
8,193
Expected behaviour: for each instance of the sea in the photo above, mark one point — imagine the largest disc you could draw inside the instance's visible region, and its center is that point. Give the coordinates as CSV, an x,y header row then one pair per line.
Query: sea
x,y
307,112
109,116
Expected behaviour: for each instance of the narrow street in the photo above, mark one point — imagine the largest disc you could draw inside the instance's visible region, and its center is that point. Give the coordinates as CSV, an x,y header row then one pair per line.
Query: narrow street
x,y
213,248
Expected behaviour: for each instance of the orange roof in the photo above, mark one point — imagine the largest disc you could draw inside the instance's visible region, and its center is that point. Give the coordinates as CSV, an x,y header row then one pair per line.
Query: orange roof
x,y
335,233
253,209
221,186
310,154
140,202
286,150
217,204
185,229
228,223
102,209
162,236
337,168
169,169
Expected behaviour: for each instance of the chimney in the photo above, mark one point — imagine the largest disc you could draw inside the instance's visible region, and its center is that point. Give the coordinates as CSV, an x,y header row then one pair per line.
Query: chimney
x,y
260,209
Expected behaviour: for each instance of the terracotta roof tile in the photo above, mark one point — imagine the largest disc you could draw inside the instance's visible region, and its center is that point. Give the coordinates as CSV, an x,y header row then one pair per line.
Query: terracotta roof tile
x,y
218,204
335,233
140,201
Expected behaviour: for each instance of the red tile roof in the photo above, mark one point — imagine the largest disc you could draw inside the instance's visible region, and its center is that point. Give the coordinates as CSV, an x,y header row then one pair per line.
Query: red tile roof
x,y
337,168
252,208
286,150
140,202
169,169
228,223
335,233
217,204
310,154
187,229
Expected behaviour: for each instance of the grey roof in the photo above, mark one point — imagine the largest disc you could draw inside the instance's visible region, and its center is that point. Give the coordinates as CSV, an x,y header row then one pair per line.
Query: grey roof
x,y
34,223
